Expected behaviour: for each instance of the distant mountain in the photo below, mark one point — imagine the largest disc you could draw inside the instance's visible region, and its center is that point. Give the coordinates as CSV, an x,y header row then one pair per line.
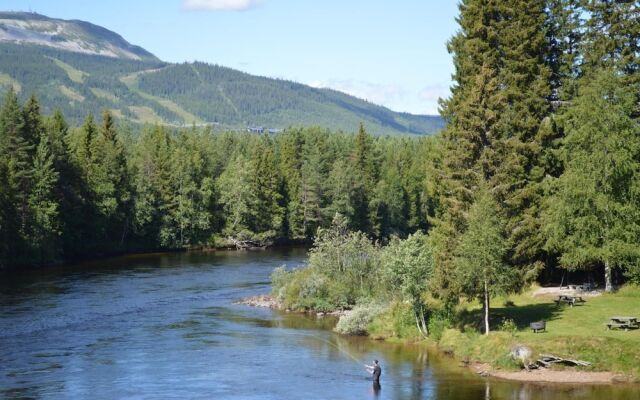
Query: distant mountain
x,y
81,68
75,36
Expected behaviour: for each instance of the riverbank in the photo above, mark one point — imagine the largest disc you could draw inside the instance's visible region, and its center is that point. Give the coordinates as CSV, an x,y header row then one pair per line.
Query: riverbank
x,y
544,375
572,332
578,333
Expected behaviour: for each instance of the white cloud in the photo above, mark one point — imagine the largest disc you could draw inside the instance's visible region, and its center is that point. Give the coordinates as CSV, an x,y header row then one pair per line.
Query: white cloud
x,y
219,5
429,96
393,96
432,93
373,92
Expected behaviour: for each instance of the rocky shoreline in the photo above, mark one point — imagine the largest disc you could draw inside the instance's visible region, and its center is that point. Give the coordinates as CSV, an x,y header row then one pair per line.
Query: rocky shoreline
x,y
261,300
268,301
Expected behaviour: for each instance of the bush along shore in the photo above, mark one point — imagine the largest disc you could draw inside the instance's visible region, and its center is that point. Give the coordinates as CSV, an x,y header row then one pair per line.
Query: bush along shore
x,y
387,293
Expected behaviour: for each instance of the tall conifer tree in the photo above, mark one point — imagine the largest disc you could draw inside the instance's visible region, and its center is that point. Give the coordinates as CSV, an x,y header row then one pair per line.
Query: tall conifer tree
x,y
497,104
593,216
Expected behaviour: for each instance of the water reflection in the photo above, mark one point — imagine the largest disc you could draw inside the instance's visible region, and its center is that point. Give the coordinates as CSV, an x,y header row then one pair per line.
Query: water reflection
x,y
376,389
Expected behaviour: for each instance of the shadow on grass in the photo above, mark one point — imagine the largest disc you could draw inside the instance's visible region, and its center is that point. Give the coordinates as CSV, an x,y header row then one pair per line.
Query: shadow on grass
x,y
522,316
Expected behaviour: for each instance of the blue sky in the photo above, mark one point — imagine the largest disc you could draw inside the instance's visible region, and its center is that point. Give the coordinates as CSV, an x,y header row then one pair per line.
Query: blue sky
x,y
389,52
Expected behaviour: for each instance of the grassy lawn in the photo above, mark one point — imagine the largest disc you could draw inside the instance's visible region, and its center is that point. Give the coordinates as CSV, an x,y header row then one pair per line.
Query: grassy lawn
x,y
573,332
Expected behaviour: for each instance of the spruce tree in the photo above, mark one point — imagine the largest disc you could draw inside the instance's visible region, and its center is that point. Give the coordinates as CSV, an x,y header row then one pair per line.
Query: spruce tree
x,y
500,97
612,36
9,240
81,143
291,160
612,41
267,184
44,205
312,196
33,126
190,210
564,32
365,169
152,184
593,215
341,187
238,197
18,151
110,179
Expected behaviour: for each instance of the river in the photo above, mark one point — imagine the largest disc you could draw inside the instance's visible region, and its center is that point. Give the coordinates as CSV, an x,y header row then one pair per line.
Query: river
x,y
164,326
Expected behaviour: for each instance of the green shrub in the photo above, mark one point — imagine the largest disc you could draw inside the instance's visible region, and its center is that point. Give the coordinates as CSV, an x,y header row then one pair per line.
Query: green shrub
x,y
279,278
404,321
508,325
507,362
630,289
357,321
438,322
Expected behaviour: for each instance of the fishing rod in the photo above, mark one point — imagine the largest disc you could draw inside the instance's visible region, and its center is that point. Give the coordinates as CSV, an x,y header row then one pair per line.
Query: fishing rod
x,y
356,360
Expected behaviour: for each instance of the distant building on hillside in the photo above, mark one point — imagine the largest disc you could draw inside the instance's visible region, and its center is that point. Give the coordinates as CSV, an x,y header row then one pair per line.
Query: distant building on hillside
x,y
255,129
260,129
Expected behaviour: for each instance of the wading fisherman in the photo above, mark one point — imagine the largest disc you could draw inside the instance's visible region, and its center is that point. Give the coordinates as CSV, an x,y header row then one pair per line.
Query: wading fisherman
x,y
375,371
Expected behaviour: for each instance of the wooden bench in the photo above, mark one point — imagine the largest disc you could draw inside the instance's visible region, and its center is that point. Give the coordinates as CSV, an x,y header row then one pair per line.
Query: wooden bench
x,y
538,326
625,323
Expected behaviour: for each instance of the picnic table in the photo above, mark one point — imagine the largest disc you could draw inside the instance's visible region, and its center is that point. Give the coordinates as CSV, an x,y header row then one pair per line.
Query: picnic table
x,y
571,300
625,323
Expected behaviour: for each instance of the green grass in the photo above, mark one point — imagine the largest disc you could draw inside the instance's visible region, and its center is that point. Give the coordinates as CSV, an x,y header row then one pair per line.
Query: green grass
x,y
75,75
573,332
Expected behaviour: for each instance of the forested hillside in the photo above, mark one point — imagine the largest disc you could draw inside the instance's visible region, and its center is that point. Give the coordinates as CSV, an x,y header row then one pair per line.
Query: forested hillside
x,y
183,94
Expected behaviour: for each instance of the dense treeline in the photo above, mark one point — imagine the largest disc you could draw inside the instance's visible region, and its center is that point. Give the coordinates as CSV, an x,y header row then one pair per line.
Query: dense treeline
x,y
538,167
95,189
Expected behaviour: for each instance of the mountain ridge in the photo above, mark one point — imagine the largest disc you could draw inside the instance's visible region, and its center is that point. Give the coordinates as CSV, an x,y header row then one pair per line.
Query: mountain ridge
x,y
144,89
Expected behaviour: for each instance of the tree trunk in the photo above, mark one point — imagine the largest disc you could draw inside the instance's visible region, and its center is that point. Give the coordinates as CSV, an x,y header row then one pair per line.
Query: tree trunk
x,y
608,285
486,308
421,324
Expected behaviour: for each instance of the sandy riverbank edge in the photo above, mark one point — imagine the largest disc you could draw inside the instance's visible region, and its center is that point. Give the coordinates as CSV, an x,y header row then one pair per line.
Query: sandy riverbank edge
x,y
545,375
542,375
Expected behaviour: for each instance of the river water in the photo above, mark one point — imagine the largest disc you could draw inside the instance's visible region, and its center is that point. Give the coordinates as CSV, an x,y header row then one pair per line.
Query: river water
x,y
164,326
